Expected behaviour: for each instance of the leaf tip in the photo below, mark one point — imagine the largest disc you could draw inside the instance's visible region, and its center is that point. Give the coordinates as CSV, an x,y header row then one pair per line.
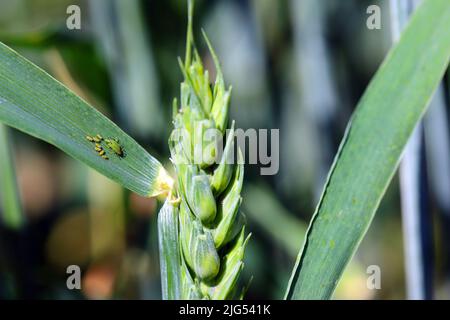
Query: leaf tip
x,y
163,185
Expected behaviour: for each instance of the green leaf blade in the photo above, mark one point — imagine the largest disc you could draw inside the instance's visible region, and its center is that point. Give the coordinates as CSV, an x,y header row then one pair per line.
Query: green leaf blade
x,y
13,216
369,154
35,103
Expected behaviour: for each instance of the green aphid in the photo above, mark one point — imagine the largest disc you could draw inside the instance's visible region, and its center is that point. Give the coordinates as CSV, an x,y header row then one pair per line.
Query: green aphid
x,y
99,137
101,152
105,157
115,146
89,138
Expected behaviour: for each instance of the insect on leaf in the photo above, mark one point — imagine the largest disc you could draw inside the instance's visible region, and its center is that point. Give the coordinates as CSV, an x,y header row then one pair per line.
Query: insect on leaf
x,y
35,103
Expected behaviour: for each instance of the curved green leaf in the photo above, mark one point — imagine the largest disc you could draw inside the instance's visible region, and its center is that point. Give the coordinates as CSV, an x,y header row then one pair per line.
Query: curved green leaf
x,y
169,251
369,153
33,102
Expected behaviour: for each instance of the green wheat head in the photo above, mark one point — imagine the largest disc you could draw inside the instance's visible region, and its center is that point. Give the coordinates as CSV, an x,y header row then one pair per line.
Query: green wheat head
x,y
211,227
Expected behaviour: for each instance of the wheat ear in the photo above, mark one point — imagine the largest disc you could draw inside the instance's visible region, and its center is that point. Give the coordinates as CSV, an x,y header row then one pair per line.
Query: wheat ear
x,y
211,233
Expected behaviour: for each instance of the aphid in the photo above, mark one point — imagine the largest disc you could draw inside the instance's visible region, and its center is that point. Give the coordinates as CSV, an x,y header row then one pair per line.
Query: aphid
x,y
99,137
105,157
98,145
96,139
98,149
115,146
101,152
90,138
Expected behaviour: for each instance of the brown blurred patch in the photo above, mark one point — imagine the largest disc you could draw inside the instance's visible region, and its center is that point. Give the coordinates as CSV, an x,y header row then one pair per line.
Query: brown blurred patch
x,y
142,206
98,282
36,181
69,241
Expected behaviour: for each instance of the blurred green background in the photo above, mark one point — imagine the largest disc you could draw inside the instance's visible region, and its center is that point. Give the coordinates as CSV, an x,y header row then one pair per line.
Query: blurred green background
x,y
296,65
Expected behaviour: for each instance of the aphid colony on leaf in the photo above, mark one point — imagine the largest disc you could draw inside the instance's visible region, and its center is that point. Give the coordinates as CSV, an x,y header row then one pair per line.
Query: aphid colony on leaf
x,y
97,139
112,144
